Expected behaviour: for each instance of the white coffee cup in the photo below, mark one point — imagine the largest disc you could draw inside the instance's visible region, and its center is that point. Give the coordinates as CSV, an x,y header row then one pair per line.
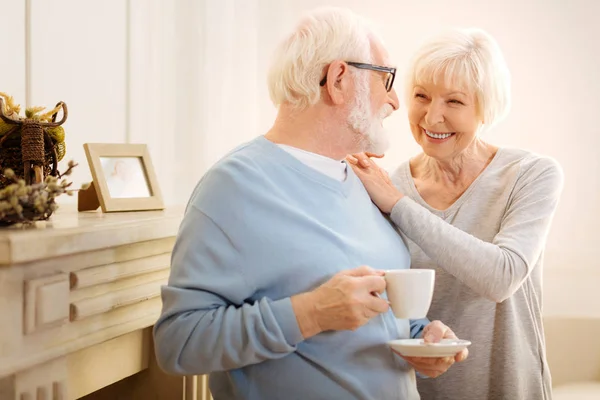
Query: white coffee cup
x,y
409,292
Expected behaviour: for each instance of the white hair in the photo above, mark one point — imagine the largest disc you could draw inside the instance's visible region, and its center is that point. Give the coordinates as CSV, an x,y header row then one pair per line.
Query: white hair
x,y
469,59
321,37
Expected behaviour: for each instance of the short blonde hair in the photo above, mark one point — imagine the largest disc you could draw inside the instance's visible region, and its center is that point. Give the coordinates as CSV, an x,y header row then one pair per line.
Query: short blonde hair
x,y
469,59
321,37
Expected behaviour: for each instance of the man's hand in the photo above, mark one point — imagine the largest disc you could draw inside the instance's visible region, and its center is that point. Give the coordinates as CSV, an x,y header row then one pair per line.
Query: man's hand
x,y
431,366
346,302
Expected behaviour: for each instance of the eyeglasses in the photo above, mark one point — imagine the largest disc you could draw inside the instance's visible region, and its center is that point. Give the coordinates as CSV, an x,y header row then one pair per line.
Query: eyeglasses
x,y
389,81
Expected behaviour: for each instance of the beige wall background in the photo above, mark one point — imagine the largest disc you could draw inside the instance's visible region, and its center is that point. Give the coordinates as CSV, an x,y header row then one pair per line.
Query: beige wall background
x,y
188,79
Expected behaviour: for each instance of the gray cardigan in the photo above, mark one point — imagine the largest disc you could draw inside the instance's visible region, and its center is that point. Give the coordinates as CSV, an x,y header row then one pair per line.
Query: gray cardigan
x,y
487,249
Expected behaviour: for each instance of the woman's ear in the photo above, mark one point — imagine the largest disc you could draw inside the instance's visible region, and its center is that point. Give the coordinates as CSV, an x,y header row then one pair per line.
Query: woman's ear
x,y
481,128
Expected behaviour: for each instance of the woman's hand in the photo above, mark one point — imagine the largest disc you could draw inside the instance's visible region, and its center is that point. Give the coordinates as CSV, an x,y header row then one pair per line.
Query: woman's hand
x,y
376,180
434,367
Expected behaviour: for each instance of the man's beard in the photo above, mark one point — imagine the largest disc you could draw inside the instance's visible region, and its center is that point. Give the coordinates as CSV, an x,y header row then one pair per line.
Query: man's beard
x,y
374,137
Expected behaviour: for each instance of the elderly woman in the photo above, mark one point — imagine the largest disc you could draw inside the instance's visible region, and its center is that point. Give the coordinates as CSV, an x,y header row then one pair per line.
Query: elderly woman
x,y
477,214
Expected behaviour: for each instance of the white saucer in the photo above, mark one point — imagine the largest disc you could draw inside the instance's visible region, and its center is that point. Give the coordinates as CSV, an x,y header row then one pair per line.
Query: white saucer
x,y
416,347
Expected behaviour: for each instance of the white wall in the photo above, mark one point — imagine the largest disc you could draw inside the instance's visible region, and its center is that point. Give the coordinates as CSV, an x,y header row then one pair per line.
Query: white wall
x,y
12,63
77,55
192,84
188,78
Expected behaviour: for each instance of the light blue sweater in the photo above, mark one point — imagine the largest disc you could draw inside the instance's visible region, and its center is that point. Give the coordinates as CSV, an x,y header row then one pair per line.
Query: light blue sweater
x,y
260,227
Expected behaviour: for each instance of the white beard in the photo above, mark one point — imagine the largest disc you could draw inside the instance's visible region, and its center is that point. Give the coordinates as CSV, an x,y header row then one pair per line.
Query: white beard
x,y
375,138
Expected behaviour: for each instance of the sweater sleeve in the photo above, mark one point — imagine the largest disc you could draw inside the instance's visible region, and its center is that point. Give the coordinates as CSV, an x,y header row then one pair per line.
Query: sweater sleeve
x,y
417,326
494,270
207,323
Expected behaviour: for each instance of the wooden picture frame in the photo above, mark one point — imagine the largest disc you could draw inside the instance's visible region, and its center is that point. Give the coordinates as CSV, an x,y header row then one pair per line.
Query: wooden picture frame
x,y
123,179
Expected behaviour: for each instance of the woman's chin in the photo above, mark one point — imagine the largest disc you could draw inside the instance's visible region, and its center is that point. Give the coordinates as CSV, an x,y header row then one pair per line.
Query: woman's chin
x,y
435,152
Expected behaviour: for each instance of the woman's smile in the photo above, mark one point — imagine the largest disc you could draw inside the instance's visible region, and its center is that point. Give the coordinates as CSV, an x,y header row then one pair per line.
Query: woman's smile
x,y
438,137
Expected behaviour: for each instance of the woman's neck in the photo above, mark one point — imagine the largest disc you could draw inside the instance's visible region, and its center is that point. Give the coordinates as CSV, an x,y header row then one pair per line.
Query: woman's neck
x,y
460,170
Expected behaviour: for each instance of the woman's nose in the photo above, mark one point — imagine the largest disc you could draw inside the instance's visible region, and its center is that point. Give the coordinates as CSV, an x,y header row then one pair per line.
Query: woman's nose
x,y
434,115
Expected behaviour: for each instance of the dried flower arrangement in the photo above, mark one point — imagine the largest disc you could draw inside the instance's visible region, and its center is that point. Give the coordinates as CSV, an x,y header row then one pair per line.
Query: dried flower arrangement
x,y
30,149
25,204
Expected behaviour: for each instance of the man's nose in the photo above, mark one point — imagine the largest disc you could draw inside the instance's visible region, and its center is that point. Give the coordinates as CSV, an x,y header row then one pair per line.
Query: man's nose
x,y
393,99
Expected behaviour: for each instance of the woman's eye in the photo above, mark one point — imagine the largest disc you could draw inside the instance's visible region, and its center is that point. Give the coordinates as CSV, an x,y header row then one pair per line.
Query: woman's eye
x,y
420,95
457,102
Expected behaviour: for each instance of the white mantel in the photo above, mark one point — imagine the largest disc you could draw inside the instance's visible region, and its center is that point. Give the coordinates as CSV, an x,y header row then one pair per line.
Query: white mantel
x,y
69,232
78,297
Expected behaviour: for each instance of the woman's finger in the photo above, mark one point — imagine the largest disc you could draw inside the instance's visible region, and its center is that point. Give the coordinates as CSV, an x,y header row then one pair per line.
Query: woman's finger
x,y
364,161
374,155
351,159
462,356
357,169
422,361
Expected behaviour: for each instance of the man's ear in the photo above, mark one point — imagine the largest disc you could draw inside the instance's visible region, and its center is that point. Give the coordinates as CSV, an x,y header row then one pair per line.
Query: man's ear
x,y
338,81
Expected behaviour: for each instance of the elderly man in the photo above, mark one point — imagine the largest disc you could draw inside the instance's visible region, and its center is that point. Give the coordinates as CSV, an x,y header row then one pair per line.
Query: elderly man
x,y
280,254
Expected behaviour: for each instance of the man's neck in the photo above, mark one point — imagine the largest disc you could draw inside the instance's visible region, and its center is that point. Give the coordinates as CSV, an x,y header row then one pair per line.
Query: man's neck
x,y
315,130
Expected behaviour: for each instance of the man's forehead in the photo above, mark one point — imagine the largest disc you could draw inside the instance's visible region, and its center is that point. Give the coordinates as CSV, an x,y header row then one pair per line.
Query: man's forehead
x,y
379,53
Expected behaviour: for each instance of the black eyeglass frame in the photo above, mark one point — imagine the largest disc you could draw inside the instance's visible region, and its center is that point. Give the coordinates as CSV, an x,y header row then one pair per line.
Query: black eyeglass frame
x,y
390,70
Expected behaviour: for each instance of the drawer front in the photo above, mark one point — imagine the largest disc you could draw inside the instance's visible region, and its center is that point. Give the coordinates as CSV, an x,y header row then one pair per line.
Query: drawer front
x,y
75,302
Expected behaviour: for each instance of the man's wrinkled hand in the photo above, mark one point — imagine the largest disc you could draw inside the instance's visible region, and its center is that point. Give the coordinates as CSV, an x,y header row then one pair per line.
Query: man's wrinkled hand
x,y
345,302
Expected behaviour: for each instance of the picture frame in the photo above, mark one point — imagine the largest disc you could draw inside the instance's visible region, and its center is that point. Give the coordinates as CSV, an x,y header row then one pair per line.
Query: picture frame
x,y
123,179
